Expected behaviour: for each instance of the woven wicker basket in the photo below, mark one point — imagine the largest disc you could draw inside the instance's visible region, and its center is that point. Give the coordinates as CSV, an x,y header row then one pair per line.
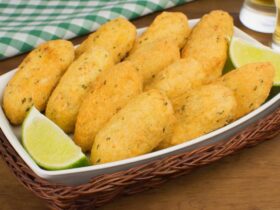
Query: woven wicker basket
x,y
103,189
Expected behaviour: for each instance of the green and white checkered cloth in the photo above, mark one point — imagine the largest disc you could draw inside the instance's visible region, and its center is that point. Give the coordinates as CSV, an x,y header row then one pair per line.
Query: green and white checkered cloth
x,y
25,24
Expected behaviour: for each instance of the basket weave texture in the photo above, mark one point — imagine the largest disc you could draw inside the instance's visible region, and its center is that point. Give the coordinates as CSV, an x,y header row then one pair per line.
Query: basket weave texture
x,y
104,188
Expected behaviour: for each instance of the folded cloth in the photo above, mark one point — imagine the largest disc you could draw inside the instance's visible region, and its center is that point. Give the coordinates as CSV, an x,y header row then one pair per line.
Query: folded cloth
x,y
25,24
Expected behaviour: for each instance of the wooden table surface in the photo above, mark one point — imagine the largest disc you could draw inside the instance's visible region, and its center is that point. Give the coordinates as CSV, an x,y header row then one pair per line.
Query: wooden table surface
x,y
248,180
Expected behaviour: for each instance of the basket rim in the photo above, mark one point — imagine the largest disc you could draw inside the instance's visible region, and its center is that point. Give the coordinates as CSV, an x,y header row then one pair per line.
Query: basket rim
x,y
102,189
248,129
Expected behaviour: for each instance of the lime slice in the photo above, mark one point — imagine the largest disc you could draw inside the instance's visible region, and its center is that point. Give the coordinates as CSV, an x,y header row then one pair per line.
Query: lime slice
x,y
242,52
48,145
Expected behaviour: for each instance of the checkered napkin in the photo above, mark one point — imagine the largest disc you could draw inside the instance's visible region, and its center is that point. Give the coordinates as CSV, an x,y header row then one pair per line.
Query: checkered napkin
x,y
26,23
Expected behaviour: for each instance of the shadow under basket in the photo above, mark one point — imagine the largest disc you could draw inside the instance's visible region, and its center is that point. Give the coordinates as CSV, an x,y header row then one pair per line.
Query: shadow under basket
x,y
102,189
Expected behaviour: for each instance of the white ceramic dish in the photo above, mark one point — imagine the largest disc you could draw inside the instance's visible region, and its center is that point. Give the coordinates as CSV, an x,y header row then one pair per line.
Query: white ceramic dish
x,y
83,175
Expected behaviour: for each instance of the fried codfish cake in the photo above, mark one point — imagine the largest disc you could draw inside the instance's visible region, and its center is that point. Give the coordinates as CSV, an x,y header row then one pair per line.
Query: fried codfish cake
x,y
135,130
66,99
116,36
153,58
171,26
36,78
208,42
112,90
251,84
205,109
179,77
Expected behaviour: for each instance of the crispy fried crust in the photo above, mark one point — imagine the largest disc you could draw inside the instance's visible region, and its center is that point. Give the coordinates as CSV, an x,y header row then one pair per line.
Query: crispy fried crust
x,y
153,58
171,26
112,91
35,79
116,36
208,42
65,101
251,84
178,78
206,109
137,129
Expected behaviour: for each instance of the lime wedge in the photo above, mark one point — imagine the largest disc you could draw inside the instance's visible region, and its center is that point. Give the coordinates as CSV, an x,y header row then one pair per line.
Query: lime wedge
x,y
242,52
228,66
48,145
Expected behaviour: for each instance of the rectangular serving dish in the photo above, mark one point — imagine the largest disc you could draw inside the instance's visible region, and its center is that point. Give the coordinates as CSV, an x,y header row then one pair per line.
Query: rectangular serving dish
x,y
83,175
